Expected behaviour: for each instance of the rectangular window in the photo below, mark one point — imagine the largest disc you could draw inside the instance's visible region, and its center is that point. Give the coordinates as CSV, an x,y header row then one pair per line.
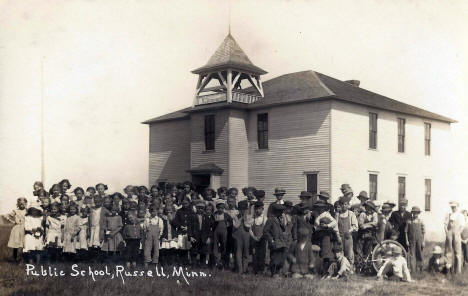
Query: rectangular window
x,y
312,183
373,130
427,184
401,188
262,130
401,134
373,186
427,138
209,132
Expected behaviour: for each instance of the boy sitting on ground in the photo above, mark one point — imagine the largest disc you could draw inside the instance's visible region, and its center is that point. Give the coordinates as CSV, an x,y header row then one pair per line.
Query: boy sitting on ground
x,y
395,268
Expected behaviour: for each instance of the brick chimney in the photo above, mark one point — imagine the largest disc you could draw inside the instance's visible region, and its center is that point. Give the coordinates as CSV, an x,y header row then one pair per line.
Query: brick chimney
x,y
353,82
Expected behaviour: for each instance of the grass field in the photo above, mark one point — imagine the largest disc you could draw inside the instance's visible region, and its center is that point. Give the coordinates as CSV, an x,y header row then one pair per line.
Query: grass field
x,y
14,281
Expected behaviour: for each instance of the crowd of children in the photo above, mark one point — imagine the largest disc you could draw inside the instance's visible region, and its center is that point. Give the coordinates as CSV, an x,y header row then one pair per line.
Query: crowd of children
x,y
172,224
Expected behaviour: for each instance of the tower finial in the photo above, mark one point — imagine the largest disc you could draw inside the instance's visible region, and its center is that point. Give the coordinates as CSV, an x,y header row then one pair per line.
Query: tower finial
x,y
229,27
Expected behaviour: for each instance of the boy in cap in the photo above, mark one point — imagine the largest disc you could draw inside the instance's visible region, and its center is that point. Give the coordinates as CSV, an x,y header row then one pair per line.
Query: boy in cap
x,y
438,263
395,267
347,225
274,234
414,232
326,230
385,228
340,268
241,234
368,222
257,240
279,194
153,227
200,234
220,229
399,219
454,224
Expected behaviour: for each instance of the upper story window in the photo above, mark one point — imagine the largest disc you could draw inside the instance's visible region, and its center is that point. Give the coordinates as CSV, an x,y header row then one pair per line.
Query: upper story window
x,y
427,138
372,130
262,130
209,132
401,134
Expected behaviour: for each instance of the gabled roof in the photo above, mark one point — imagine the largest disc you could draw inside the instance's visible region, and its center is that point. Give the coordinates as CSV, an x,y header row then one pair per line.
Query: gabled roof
x,y
229,54
308,86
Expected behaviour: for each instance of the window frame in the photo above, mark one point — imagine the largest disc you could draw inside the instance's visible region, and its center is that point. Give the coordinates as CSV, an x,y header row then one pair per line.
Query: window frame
x,y
427,194
371,187
373,127
262,130
210,131
305,180
427,138
401,134
400,197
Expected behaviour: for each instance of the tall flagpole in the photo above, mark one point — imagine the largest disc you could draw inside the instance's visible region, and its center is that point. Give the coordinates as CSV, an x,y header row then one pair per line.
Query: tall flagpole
x,y
42,123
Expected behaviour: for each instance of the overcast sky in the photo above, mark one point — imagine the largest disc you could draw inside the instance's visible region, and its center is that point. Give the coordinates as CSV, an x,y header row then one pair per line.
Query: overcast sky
x,y
109,65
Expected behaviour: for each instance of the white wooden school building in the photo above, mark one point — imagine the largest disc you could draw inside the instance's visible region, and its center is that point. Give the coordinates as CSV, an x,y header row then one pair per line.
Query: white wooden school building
x,y
302,131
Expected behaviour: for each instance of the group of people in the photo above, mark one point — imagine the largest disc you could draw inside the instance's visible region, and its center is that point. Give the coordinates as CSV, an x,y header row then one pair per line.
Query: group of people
x,y
173,224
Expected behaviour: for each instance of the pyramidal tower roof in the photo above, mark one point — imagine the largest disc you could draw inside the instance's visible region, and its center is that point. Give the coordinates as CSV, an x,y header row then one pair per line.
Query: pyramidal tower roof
x,y
229,55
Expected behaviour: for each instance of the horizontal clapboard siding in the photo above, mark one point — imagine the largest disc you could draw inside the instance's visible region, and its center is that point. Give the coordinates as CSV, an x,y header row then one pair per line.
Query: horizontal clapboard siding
x,y
219,156
299,141
169,155
238,149
353,161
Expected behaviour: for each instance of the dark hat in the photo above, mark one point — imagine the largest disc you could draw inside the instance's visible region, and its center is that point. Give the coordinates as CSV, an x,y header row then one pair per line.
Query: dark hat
x,y
416,209
301,208
277,207
288,204
363,194
305,194
345,186
324,194
321,203
389,203
243,205
371,204
344,199
279,191
179,185
244,190
140,188
403,202
258,204
232,190
259,193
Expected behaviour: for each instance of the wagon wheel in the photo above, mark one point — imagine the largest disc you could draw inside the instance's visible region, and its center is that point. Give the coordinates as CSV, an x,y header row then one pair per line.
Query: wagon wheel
x,y
378,254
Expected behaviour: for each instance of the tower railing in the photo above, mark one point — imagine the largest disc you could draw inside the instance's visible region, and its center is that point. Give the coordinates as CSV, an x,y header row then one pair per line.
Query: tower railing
x,y
222,97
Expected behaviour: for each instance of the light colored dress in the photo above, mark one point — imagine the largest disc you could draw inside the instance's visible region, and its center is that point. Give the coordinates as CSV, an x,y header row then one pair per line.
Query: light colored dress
x,y
17,232
113,240
95,227
70,233
33,242
54,231
82,242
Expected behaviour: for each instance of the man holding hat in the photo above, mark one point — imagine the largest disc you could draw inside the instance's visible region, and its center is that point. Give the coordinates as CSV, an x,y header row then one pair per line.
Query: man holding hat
x,y
399,219
279,194
454,224
274,234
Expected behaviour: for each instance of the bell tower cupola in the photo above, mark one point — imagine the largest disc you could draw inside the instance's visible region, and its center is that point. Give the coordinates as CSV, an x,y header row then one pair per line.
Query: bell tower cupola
x,y
229,76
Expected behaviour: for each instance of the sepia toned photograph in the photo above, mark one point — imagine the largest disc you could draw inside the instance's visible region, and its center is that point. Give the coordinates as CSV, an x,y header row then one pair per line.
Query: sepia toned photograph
x,y
233,147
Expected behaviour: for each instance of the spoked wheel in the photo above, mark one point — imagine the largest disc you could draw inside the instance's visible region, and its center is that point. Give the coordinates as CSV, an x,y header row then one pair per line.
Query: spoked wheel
x,y
378,254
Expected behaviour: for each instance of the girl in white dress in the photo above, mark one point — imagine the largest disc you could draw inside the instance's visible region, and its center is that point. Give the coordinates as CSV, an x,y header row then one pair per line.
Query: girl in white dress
x,y
33,233
53,229
70,232
16,241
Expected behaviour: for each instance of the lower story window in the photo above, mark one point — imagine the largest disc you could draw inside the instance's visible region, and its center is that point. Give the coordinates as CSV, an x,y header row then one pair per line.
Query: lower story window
x,y
373,186
312,182
427,203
